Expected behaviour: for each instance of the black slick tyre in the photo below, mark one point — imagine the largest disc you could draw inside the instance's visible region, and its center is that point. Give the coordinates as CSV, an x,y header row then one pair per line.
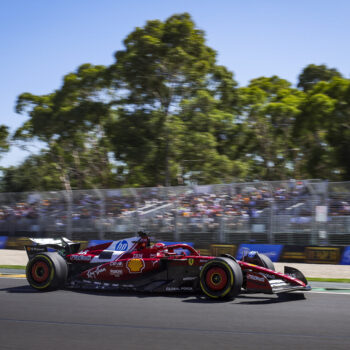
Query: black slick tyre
x,y
47,271
221,278
266,262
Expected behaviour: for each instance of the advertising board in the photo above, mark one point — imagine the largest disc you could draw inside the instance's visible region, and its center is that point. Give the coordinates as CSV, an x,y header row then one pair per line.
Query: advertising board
x,y
3,240
345,259
273,251
322,255
218,249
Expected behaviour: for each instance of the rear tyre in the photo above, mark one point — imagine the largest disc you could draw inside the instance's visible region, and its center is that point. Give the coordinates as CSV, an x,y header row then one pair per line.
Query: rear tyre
x,y
221,278
47,271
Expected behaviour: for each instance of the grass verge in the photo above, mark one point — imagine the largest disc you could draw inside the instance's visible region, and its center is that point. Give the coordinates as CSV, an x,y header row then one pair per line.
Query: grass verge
x,y
15,267
336,280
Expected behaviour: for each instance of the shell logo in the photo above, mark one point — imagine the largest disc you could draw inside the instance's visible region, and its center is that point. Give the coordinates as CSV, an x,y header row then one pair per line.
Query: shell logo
x,y
135,265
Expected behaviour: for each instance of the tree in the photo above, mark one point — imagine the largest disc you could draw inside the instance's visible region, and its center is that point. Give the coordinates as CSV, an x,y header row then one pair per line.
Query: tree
x,y
71,121
135,108
309,132
323,128
163,64
203,139
312,74
165,109
37,172
268,109
4,142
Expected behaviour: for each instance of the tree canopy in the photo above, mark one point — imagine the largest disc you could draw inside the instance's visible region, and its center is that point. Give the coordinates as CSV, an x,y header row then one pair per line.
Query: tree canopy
x,y
313,74
165,112
4,141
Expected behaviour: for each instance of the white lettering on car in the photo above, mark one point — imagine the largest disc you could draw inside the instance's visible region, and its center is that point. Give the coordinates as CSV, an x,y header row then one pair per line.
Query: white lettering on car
x,y
116,273
93,273
80,257
255,278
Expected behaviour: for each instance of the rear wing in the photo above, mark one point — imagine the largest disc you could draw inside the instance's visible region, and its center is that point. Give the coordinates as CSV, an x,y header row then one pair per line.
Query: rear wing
x,y
62,245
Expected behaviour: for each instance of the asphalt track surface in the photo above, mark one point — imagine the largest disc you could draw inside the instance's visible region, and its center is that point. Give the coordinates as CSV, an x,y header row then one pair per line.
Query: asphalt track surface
x,y
99,320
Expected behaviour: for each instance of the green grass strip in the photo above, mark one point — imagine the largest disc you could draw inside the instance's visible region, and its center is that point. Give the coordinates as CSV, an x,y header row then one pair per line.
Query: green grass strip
x,y
15,267
336,280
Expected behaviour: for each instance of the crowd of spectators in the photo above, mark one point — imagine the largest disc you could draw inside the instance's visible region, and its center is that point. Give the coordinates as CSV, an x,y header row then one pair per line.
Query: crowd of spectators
x,y
197,208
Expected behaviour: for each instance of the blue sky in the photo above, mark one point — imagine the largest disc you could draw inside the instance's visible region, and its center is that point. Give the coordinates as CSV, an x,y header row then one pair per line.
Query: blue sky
x,y
41,40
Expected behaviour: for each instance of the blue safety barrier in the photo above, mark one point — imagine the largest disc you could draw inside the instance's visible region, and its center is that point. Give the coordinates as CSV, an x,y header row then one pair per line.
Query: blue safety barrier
x,y
345,259
3,240
273,251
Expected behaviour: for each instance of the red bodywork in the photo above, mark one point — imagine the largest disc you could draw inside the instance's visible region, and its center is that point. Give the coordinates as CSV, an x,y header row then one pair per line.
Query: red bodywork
x,y
144,260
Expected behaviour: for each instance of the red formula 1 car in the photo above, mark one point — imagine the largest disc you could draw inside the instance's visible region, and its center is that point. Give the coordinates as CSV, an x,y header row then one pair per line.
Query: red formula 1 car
x,y
133,264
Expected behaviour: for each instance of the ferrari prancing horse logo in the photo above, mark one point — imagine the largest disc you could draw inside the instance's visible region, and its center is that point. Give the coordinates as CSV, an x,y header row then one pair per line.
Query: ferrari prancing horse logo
x,y
135,265
190,262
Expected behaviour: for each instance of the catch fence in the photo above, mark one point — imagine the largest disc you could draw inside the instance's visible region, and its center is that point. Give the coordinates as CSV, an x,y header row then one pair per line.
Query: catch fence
x,y
286,212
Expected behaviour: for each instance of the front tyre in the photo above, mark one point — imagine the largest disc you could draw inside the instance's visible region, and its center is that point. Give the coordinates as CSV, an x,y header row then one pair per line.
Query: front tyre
x,y
221,278
47,271
266,262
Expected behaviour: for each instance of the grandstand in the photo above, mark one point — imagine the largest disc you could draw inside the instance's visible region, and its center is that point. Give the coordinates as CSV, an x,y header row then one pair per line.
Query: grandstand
x,y
290,212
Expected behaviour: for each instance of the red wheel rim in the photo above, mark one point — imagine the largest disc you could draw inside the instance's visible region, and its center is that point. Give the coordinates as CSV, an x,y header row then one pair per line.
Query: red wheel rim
x,y
40,271
216,278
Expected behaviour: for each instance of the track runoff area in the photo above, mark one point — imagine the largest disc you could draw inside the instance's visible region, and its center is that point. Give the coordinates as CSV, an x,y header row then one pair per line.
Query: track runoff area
x,y
88,320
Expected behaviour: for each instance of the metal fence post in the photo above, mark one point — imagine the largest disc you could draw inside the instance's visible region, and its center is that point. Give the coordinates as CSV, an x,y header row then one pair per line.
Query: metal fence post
x,y
176,231
314,233
222,238
271,223
102,216
68,195
40,217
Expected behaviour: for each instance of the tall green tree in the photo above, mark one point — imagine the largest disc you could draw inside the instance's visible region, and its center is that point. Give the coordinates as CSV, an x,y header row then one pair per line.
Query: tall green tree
x,y
163,64
313,74
4,139
204,138
71,121
338,126
37,172
323,130
165,110
269,107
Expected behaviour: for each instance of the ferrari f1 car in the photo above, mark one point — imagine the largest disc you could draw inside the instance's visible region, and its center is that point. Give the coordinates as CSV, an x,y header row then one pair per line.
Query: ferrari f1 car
x,y
135,264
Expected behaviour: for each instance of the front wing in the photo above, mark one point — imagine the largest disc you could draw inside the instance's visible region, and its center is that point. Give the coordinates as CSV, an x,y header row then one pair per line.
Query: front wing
x,y
259,283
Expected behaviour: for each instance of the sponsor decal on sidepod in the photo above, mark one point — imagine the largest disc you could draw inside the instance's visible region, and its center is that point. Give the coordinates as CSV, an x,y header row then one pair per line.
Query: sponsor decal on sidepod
x,y
121,246
95,272
135,265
